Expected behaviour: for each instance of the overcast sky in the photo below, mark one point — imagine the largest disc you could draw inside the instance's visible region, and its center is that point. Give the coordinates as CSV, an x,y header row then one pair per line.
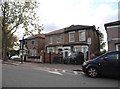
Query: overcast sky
x,y
57,14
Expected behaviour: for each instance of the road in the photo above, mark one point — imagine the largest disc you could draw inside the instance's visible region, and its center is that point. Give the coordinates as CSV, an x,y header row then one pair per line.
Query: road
x,y
0,74
18,76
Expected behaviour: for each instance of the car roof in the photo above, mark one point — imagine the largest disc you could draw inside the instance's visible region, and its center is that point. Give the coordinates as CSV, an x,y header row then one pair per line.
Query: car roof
x,y
112,51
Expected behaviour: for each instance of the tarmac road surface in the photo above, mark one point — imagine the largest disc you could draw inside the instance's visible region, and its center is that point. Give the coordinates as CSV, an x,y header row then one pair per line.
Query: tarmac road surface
x,y
19,76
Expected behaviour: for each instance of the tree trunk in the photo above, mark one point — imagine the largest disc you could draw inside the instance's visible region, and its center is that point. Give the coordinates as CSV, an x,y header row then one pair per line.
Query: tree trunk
x,y
4,40
4,46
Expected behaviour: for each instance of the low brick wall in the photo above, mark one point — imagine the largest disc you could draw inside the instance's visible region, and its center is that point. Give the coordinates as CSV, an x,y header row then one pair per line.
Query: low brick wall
x,y
47,58
52,58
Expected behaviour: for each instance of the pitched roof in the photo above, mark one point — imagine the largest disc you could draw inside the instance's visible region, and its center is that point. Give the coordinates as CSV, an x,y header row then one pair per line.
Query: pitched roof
x,y
55,32
113,23
70,28
78,27
36,36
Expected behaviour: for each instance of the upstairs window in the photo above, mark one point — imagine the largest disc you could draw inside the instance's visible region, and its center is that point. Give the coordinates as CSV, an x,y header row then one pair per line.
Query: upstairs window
x,y
58,38
82,36
32,42
50,40
71,36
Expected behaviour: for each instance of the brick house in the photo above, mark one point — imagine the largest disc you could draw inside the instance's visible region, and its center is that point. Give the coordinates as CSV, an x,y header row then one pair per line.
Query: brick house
x,y
73,38
34,44
113,35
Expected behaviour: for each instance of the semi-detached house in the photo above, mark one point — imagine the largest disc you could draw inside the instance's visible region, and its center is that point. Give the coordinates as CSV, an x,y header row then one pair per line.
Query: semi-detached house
x,y
74,38
34,44
113,35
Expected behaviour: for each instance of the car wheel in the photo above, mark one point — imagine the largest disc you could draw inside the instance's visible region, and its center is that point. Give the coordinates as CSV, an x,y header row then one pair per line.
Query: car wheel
x,y
92,72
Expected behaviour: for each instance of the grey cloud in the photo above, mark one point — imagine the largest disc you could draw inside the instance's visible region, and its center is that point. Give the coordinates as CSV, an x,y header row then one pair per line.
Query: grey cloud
x,y
50,27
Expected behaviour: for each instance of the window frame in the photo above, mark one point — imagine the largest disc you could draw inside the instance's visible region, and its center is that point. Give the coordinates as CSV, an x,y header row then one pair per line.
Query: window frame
x,y
58,38
82,37
32,42
50,40
73,36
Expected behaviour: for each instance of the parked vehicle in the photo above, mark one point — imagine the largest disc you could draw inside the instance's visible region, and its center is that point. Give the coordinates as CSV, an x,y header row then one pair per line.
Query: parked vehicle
x,y
74,58
15,57
106,64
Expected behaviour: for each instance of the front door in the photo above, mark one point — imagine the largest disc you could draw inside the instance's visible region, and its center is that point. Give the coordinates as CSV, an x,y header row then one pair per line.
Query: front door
x,y
66,54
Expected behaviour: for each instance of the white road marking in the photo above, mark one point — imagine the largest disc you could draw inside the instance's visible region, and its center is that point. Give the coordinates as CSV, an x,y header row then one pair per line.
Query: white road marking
x,y
75,72
0,60
63,71
55,72
15,64
82,72
59,72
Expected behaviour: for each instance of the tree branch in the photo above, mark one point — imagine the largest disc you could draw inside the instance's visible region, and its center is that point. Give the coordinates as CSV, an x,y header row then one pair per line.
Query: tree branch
x,y
13,28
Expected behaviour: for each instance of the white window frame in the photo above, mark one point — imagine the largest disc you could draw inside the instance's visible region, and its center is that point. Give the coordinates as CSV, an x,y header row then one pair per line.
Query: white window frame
x,y
33,52
50,49
70,36
117,47
81,48
50,40
78,48
58,38
82,35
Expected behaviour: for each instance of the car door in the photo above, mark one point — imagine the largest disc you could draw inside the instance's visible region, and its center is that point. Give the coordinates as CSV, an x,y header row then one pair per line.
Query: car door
x,y
119,65
110,64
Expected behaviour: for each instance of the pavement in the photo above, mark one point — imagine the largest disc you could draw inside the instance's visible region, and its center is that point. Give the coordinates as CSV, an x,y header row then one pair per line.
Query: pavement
x,y
47,66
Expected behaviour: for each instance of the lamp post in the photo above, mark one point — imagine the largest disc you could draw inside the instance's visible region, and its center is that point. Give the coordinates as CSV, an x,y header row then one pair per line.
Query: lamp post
x,y
50,57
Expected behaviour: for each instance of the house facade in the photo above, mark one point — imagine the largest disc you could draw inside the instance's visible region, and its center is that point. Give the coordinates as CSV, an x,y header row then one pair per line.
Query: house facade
x,y
34,44
113,35
77,38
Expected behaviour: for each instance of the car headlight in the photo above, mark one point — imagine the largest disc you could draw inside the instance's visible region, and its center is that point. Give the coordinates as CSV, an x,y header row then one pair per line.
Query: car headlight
x,y
85,63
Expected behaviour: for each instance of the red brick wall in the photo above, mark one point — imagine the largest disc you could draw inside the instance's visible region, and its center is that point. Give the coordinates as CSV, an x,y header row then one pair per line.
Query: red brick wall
x,y
52,57
39,44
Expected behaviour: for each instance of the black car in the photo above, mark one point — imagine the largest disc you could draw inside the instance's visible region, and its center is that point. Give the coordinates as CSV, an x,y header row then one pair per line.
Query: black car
x,y
106,64
74,58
